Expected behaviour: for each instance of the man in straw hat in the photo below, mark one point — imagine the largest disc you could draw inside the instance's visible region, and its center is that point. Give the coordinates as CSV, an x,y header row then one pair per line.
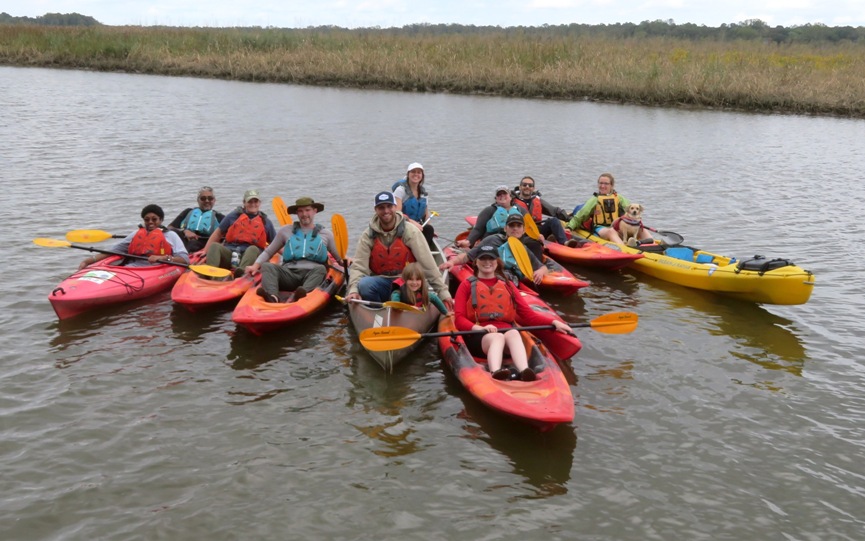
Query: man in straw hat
x,y
304,259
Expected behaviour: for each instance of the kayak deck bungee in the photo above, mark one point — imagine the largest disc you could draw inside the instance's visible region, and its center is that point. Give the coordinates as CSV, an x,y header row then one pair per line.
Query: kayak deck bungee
x,y
562,346
543,403
107,283
261,317
366,316
759,280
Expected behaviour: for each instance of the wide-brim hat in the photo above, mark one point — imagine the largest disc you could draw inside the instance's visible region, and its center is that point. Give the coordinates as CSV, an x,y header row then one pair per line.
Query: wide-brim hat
x,y
305,202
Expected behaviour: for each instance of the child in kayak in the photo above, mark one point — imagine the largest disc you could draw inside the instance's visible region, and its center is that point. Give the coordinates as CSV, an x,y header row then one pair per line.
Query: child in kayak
x,y
414,290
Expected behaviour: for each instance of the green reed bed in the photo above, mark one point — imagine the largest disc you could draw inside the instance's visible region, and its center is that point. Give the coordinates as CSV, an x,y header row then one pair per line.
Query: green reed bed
x,y
749,75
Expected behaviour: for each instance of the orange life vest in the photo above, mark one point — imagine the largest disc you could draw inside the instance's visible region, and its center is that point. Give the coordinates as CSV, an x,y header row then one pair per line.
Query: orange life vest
x,y
247,231
389,260
533,207
494,303
149,243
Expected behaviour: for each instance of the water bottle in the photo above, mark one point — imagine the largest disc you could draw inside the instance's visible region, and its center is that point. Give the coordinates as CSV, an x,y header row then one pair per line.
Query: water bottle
x,y
235,260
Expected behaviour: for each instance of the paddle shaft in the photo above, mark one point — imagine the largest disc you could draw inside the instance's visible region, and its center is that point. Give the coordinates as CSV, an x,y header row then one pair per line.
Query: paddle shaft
x,y
484,331
121,254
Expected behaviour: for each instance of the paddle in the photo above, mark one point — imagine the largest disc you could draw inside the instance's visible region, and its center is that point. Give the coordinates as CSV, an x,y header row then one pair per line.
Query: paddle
x,y
431,214
522,256
281,211
391,338
396,305
90,235
669,238
204,270
340,237
532,228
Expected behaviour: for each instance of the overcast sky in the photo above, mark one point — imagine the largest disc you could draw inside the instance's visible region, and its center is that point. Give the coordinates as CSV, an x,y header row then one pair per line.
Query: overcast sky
x,y
388,13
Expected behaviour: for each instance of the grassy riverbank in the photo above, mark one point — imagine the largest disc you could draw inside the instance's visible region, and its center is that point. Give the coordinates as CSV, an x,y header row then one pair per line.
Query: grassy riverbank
x,y
747,75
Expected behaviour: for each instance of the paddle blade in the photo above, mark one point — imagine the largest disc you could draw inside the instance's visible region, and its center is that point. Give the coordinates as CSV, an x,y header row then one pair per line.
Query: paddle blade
x,y
281,211
615,323
521,255
531,227
340,234
51,243
208,270
402,306
388,338
88,235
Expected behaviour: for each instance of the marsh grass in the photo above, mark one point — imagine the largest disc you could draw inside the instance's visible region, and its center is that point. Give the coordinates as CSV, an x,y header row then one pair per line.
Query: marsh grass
x,y
746,75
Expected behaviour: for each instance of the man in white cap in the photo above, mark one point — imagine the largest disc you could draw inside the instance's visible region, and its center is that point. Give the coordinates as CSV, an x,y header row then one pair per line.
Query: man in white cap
x,y
247,231
304,259
383,251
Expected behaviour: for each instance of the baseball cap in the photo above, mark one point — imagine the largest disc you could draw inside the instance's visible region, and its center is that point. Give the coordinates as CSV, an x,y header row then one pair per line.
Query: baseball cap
x,y
487,251
250,194
384,197
414,165
502,188
514,218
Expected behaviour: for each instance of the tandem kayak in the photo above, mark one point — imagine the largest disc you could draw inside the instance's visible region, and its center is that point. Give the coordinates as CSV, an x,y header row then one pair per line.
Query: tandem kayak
x,y
759,279
106,283
260,317
558,279
543,403
562,346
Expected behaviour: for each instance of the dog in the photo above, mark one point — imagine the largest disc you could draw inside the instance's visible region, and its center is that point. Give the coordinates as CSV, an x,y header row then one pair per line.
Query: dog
x,y
630,225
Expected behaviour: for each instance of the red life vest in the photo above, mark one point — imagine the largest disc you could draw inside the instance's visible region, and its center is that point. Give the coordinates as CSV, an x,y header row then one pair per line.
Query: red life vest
x,y
247,231
494,303
389,260
533,207
149,243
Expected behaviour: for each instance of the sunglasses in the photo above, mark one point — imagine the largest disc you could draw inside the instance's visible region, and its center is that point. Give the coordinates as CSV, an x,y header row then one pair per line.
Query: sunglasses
x,y
604,184
206,198
527,185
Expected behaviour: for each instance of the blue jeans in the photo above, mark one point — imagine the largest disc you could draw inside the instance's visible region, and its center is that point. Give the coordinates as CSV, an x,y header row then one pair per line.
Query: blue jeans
x,y
375,288
552,226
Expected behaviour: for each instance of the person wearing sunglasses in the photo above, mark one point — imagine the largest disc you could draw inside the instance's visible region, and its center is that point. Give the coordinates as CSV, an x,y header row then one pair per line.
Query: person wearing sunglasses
x,y
601,210
150,239
196,224
546,216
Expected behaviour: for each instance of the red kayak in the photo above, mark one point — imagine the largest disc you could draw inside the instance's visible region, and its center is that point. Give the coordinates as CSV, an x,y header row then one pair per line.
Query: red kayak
x,y
543,403
558,278
562,346
585,254
196,292
261,317
106,283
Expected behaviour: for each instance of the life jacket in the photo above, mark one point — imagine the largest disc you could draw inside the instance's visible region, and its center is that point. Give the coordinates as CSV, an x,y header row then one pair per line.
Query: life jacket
x,y
509,259
201,222
305,245
496,224
533,207
246,230
149,242
413,207
607,210
389,260
487,304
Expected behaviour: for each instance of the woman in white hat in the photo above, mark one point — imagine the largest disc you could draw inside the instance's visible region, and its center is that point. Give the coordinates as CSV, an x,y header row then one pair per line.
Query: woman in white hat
x,y
411,199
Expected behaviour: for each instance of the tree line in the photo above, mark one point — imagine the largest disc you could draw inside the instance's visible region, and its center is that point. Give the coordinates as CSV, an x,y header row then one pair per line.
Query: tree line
x,y
752,29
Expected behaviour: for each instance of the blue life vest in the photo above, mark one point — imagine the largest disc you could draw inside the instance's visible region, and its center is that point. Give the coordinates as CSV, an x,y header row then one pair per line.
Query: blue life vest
x,y
412,207
509,259
307,245
496,224
203,223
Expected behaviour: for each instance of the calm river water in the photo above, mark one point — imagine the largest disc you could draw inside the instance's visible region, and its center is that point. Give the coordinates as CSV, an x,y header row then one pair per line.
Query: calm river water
x,y
714,420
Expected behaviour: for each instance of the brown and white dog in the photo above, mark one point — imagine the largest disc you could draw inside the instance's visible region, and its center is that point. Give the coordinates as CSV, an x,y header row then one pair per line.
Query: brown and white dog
x,y
630,225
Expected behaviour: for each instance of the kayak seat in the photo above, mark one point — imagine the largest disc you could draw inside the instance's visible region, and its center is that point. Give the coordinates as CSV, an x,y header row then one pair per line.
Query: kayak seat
x,y
680,252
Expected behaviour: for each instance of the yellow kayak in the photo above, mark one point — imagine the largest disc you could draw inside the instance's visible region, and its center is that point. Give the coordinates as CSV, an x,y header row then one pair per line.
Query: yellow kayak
x,y
760,280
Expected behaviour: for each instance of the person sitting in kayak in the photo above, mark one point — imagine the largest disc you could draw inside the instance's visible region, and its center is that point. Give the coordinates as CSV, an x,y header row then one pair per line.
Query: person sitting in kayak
x,y
514,228
384,249
304,257
491,221
551,228
413,290
601,210
150,239
247,231
195,225
412,201
488,301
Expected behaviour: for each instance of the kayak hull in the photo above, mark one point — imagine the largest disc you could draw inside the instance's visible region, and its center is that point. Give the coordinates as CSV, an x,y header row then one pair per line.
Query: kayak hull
x,y
260,317
543,403
195,292
590,254
107,283
786,284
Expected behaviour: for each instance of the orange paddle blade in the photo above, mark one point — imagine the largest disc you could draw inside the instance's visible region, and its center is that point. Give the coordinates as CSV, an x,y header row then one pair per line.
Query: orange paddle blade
x,y
340,234
388,338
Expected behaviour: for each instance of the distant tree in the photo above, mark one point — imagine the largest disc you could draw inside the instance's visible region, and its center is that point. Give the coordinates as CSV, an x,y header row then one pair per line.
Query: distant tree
x,y
51,19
